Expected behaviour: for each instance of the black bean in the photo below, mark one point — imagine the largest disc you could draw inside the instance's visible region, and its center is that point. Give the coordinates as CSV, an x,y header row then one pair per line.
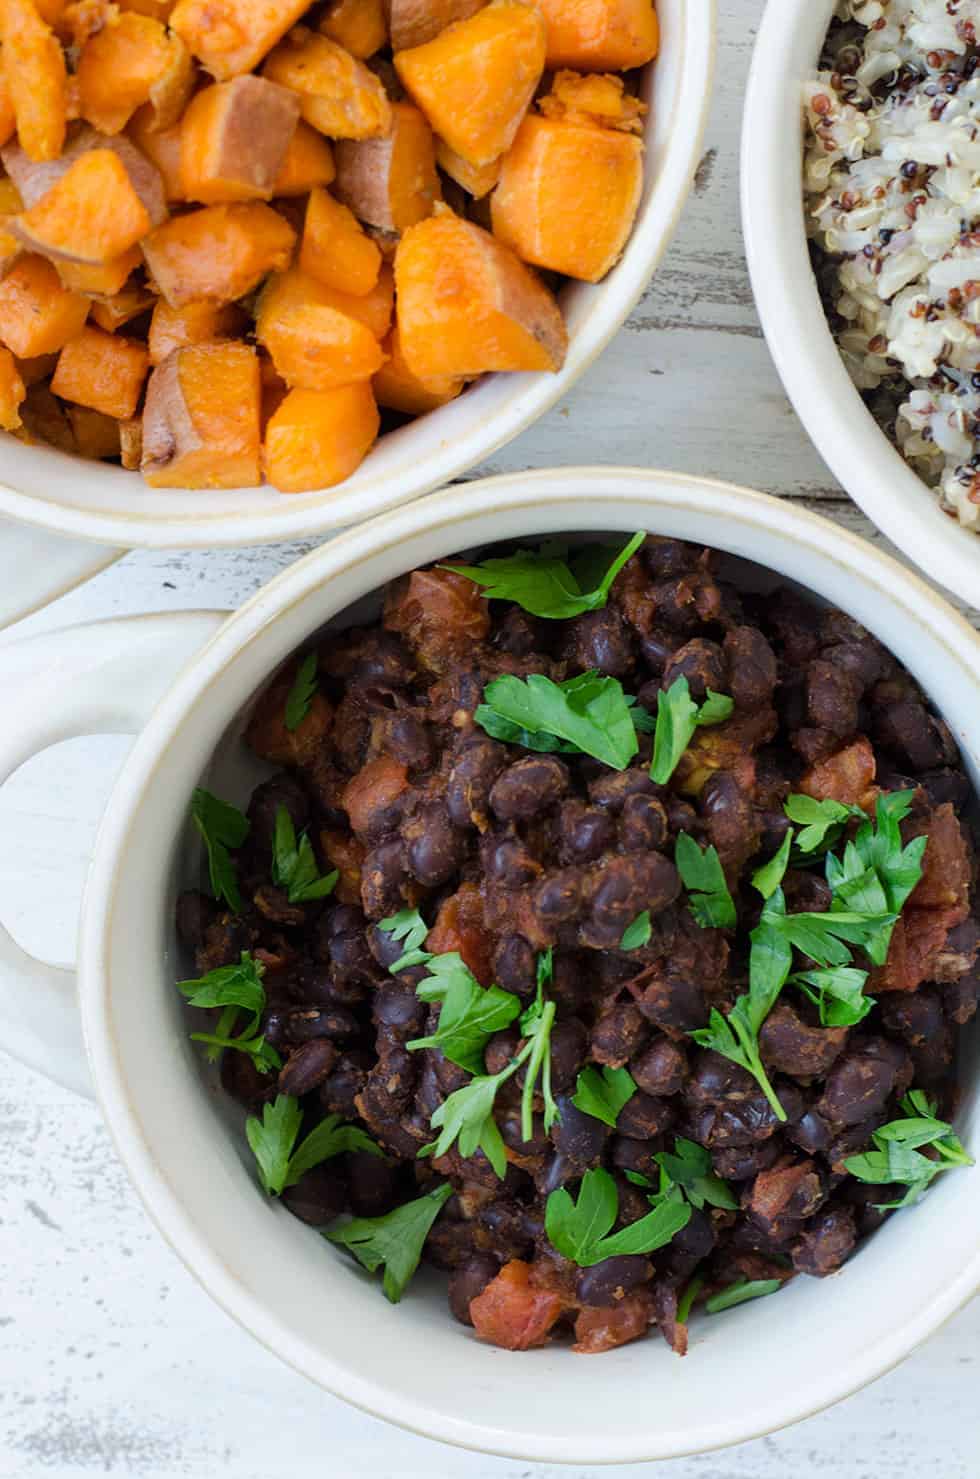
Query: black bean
x,y
833,694
515,964
740,1162
730,818
307,1066
618,1034
572,979
519,633
791,1045
242,1080
468,1280
382,876
696,1239
382,660
474,771
434,848
342,1084
908,728
752,670
643,1117
306,1024
916,1016
528,787
858,1086
351,959
604,1284
373,1184
508,862
827,1240
702,663
384,947
611,791
508,1227
624,888
577,1137
627,1154
657,648
558,897
811,1133
569,1043
318,1196
946,785
263,808
500,1049
673,1002
665,556
601,640
585,832
342,919
660,1069
397,1006
643,824
410,741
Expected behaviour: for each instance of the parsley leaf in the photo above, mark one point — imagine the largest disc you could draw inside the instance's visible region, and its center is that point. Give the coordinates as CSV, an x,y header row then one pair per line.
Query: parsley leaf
x,y
678,716
469,1015
262,1053
578,1229
543,583
691,1169
465,1117
686,1302
739,1292
603,1093
704,878
273,1138
589,712
637,933
395,1240
300,696
822,821
536,1024
838,992
410,928
294,865
235,988
770,876
897,1156
221,826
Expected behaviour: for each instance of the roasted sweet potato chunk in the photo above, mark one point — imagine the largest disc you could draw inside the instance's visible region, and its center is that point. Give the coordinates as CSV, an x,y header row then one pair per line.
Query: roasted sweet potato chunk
x,y
8,120
413,22
232,36
234,140
391,183
103,279
568,195
312,344
37,314
103,371
120,66
600,35
218,253
467,304
319,437
308,163
397,388
35,180
476,179
338,95
12,391
359,26
120,308
475,80
195,323
92,214
96,434
36,79
335,250
201,420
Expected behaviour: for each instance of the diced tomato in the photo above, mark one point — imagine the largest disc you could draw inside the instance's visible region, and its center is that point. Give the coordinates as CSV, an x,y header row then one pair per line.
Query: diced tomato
x,y
511,1312
438,613
598,1330
459,928
847,776
267,733
917,941
345,854
372,790
945,881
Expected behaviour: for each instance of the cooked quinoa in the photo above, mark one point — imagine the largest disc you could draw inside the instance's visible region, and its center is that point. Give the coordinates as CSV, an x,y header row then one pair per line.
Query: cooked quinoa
x,y
892,192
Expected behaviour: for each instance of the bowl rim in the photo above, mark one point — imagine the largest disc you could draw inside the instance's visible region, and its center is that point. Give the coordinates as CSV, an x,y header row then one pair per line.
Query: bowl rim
x,y
746,514
829,405
441,458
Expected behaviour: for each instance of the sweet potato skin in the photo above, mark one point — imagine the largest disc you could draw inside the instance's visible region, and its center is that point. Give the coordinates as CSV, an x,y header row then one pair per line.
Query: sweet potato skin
x,y
335,250
34,180
12,391
467,304
218,253
474,82
568,196
37,314
201,419
414,22
232,36
234,140
317,438
36,79
391,183
338,95
102,371
600,35
92,214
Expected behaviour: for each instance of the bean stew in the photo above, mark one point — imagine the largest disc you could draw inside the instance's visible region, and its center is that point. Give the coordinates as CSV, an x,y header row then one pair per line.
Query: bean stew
x,y
602,937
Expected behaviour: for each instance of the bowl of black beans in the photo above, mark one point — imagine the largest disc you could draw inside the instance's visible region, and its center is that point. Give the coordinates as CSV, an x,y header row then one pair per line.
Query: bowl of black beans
x,y
575,952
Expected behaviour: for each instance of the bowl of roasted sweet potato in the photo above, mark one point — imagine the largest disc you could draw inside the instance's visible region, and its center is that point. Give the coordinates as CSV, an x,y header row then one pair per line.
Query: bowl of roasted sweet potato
x,y
270,268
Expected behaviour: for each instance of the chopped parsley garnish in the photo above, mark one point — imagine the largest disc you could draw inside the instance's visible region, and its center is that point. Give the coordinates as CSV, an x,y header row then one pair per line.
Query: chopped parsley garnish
x,y
469,1014
300,695
704,878
408,927
294,866
604,1092
549,582
580,1230
897,1156
221,826
822,821
739,1292
637,933
395,1240
273,1140
686,1302
690,1168
235,988
678,716
838,993
588,714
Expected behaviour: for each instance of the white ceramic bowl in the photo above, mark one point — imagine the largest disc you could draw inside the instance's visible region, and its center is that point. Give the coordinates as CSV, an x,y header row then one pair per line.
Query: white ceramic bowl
x,y
754,1370
858,454
94,501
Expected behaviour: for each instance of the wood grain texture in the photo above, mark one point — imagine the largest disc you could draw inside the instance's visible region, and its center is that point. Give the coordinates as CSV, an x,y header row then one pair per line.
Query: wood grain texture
x,y
112,1360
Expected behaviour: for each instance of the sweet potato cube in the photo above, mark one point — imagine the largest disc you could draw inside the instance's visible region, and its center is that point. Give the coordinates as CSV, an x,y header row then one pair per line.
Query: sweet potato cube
x,y
600,35
103,371
308,163
12,391
218,253
171,92
337,94
335,250
34,181
160,10
296,289
319,437
104,279
162,151
201,419
234,139
121,308
476,179
413,22
359,26
568,195
593,97
36,78
232,36
195,323
466,304
474,82
96,435
8,120
120,66
396,387
91,215
391,183
312,344
37,314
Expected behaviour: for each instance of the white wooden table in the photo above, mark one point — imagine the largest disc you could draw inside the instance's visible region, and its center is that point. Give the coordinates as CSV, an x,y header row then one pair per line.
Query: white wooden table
x,y
112,1360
